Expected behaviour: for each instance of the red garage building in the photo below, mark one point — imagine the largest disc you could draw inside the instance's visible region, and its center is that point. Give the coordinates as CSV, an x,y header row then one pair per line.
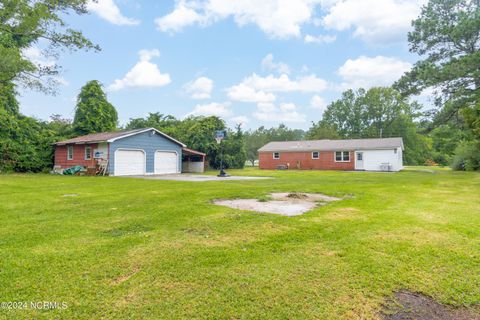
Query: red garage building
x,y
355,154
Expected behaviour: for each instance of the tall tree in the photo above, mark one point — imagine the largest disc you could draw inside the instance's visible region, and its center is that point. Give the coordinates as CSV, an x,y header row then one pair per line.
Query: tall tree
x,y
23,23
321,130
378,112
93,112
165,123
447,35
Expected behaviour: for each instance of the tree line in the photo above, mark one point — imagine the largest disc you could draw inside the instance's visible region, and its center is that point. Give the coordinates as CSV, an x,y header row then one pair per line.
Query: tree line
x,y
446,36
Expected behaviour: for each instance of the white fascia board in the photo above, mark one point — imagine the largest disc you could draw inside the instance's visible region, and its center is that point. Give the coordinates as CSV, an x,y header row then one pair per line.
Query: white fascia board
x,y
145,130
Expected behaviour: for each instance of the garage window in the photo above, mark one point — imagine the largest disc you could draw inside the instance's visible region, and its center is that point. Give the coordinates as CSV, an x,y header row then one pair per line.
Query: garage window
x,y
276,155
315,155
88,153
70,153
342,156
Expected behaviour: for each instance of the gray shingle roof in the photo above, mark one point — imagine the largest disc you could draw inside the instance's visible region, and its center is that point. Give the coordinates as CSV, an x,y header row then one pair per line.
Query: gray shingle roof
x,y
112,136
329,145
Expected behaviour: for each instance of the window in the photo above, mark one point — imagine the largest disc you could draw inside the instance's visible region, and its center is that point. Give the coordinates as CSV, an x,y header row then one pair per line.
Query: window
x,y
276,155
395,150
70,153
315,155
342,156
88,153
360,156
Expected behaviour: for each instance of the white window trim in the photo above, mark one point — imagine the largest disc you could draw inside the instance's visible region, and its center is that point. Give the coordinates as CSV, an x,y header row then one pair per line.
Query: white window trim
x,y
318,152
89,153
68,153
273,155
342,151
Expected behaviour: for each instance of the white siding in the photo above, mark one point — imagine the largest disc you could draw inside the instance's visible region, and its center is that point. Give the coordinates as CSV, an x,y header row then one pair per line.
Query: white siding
x,y
193,167
102,150
373,159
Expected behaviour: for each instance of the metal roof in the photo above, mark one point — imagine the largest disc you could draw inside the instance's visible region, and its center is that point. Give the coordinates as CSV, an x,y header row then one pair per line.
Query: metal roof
x,y
112,136
329,145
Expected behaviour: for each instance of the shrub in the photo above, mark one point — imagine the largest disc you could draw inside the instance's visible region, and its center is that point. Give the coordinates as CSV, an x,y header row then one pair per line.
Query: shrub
x,y
467,157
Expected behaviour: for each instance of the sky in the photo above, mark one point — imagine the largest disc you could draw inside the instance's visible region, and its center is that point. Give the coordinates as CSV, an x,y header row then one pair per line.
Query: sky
x,y
250,62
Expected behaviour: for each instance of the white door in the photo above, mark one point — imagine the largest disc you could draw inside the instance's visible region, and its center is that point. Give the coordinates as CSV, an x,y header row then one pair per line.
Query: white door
x,y
166,162
129,162
359,161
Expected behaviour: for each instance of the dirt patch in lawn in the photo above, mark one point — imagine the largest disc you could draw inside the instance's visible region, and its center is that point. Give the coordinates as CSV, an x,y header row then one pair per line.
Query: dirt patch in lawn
x,y
285,204
410,305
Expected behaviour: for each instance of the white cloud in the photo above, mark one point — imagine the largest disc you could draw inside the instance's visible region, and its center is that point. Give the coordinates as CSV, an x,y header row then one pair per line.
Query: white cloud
x,y
270,65
283,83
108,10
369,72
244,93
373,20
320,38
239,120
285,112
277,18
211,109
183,15
318,102
200,88
143,74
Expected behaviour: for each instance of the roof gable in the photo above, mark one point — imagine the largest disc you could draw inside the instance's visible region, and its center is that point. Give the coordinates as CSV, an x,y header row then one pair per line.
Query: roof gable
x,y
328,145
113,136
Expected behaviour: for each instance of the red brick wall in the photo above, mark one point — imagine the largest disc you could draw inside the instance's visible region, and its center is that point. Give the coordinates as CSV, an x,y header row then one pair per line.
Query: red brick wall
x,y
78,156
305,161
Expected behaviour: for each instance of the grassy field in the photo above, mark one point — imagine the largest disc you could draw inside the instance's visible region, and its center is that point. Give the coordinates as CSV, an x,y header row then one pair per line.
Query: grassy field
x,y
123,248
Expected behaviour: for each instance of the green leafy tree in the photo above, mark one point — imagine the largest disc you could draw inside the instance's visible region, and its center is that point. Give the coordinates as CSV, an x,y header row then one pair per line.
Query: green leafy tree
x,y
8,100
93,112
374,113
23,23
321,130
446,35
234,150
165,123
25,143
256,139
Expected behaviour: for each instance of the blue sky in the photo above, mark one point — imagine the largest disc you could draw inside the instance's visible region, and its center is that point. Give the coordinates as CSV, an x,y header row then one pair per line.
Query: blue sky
x,y
250,62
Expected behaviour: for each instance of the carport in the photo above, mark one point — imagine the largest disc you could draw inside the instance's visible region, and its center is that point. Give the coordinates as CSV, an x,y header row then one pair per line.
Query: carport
x,y
193,161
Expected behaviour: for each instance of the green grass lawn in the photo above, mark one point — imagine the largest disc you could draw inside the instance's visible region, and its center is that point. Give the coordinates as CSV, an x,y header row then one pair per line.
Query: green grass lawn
x,y
126,248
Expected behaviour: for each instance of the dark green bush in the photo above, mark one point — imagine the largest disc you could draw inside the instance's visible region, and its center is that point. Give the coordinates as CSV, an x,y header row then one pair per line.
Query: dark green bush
x,y
467,157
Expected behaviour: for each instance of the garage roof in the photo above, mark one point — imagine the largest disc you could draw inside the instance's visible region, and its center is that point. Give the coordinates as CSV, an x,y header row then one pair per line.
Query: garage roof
x,y
112,136
328,145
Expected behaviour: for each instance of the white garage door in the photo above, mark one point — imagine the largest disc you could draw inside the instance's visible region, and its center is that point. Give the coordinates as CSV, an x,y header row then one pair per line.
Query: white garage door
x,y
129,162
165,162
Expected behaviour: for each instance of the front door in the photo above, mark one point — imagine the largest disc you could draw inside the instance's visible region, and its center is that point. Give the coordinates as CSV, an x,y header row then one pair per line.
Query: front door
x,y
359,160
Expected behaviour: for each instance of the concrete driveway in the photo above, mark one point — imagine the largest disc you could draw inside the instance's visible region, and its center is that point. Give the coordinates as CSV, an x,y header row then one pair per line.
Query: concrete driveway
x,y
197,177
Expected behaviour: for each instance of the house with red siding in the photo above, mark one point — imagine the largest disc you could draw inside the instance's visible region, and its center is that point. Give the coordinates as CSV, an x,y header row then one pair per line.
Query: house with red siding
x,y
132,152
355,154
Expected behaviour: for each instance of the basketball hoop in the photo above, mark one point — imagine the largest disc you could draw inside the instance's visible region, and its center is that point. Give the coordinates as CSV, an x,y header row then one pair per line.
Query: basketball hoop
x,y
219,136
